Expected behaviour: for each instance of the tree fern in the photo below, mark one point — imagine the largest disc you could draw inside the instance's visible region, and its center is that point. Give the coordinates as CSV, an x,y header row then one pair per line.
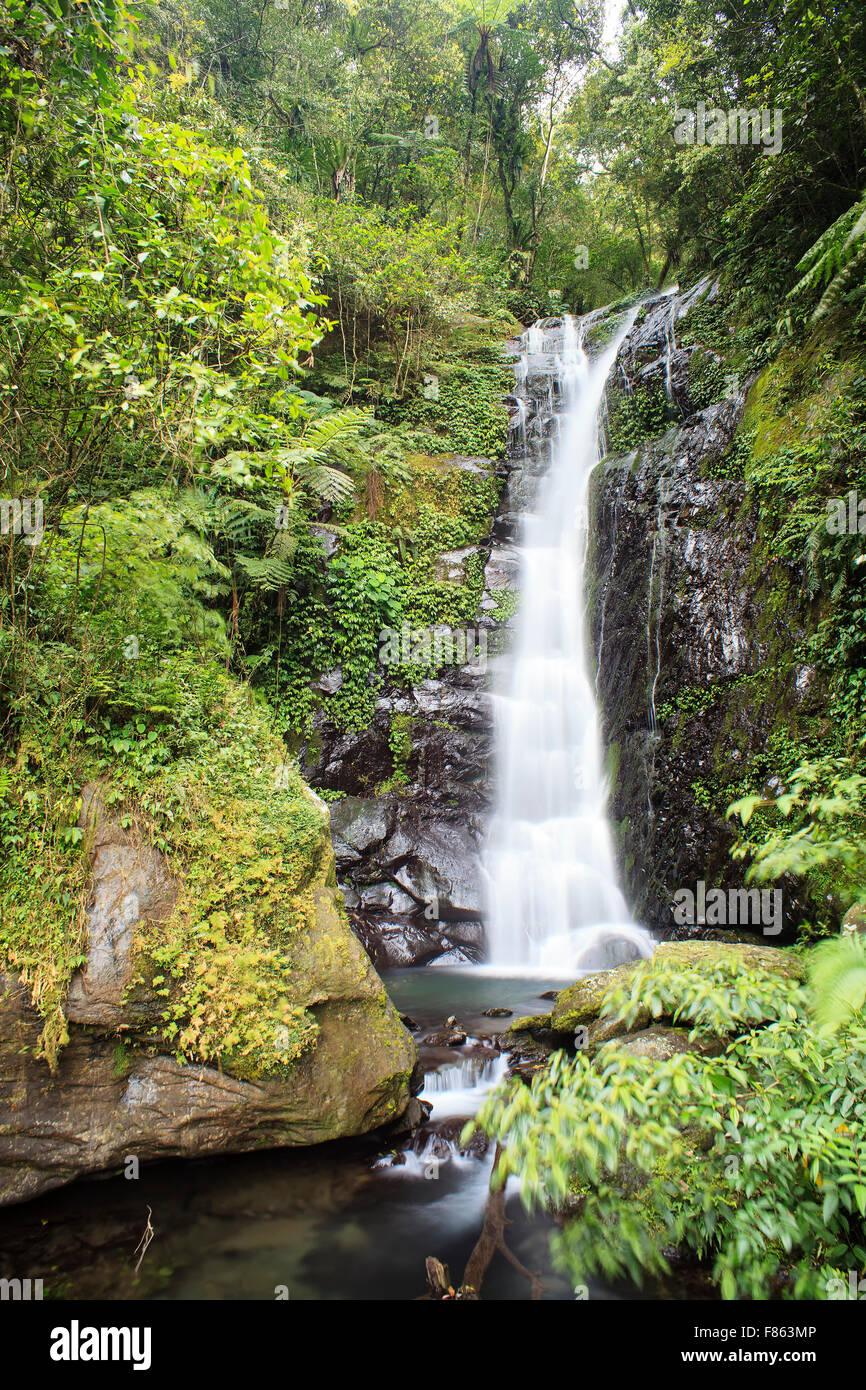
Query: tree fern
x,y
837,260
268,573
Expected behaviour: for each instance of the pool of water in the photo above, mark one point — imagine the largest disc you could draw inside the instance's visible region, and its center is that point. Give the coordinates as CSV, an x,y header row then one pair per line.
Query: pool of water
x,y
353,1220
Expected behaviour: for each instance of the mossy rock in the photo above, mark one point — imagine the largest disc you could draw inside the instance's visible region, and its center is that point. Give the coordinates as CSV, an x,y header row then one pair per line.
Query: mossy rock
x,y
659,1043
216,947
582,1002
529,1023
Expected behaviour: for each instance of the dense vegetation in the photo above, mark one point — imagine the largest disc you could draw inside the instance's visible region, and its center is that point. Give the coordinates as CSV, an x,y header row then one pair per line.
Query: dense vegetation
x,y
259,262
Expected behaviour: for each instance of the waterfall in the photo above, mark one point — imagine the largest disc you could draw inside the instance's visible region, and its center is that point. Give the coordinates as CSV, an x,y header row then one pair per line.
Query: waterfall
x,y
553,904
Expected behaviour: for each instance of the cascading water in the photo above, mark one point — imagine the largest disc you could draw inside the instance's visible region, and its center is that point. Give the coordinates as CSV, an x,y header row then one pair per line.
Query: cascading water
x,y
554,906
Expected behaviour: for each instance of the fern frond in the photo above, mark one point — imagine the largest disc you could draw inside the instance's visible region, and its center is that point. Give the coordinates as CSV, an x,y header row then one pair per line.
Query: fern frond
x,y
328,483
836,260
266,574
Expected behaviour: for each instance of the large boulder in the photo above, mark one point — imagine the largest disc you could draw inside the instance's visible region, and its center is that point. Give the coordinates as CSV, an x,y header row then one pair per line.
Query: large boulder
x,y
118,1090
581,1003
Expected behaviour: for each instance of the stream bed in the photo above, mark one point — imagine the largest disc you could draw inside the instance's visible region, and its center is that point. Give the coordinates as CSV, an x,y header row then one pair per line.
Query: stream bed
x,y
353,1220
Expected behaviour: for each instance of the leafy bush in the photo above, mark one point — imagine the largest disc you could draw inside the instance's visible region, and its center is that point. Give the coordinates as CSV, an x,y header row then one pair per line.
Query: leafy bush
x,y
751,1161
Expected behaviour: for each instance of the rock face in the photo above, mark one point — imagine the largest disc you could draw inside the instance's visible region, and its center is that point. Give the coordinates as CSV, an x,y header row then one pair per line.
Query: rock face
x,y
114,1096
682,625
130,884
407,846
407,859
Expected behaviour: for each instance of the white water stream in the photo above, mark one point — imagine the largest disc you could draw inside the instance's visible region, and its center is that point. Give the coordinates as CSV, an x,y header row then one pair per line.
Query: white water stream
x,y
554,906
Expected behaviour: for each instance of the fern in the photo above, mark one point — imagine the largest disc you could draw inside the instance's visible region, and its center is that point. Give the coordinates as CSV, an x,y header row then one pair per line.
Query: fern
x,y
837,260
267,574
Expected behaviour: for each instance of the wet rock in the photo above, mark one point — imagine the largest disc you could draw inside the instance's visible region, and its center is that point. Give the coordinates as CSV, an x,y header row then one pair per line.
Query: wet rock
x,y
393,945
674,608
497,1013
455,955
388,896
410,1121
854,920
526,1056
451,566
359,826
448,1037
476,1146
330,682
407,861
330,539
467,933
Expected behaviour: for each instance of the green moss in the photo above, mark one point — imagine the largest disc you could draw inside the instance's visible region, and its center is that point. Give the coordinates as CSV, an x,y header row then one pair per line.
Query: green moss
x,y
529,1022
635,417
243,837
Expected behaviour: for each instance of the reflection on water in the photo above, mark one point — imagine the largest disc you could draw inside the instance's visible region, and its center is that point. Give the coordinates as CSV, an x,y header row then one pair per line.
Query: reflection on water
x,y
324,1224
345,1221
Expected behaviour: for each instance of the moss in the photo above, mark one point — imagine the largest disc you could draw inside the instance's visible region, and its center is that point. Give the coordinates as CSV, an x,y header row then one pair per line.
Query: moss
x,y
245,840
636,417
507,602
466,415
527,1023
584,1001
612,759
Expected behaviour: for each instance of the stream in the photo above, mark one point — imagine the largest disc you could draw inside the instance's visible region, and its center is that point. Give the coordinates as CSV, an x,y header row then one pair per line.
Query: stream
x,y
353,1220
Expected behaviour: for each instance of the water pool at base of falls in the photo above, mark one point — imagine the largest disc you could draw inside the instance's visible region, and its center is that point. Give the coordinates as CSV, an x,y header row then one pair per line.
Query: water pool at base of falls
x,y
343,1222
